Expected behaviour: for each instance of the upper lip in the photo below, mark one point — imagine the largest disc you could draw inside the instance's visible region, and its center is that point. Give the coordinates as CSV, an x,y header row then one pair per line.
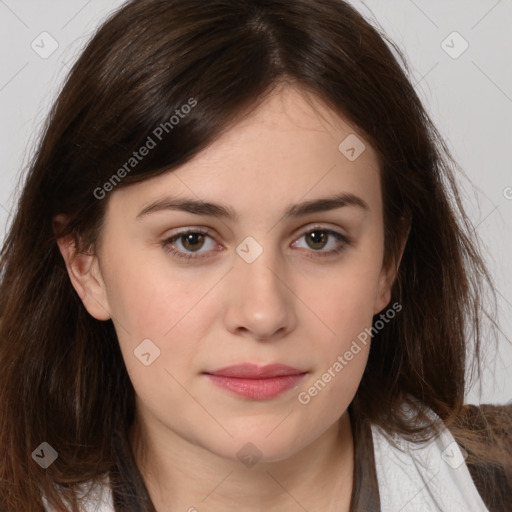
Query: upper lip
x,y
253,371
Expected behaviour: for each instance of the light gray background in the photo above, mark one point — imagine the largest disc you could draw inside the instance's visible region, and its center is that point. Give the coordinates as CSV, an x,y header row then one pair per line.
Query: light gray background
x,y
469,98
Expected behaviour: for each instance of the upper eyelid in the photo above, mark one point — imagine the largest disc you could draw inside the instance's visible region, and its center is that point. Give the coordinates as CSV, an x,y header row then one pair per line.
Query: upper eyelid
x,y
301,232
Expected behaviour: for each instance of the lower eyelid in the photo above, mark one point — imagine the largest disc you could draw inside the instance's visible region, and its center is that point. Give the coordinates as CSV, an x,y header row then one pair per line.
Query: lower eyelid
x,y
168,243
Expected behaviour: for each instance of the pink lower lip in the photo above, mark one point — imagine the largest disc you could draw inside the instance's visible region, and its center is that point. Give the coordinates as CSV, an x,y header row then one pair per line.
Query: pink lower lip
x,y
257,389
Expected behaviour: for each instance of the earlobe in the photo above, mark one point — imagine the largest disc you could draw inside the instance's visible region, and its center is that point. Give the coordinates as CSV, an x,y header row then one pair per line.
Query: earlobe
x,y
86,278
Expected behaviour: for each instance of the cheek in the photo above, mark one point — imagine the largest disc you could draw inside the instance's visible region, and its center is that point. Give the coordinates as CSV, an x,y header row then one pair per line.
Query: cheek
x,y
171,316
346,308
345,299
345,304
145,306
174,322
147,295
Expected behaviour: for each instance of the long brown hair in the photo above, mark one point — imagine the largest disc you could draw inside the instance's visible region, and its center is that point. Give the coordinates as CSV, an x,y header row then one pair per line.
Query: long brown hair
x,y
63,380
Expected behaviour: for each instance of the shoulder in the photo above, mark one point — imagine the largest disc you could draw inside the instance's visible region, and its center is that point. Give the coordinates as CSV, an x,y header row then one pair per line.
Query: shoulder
x,y
486,426
405,463
489,414
485,433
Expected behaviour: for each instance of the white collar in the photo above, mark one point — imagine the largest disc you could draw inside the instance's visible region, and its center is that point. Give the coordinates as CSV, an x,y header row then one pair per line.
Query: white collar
x,y
431,477
95,497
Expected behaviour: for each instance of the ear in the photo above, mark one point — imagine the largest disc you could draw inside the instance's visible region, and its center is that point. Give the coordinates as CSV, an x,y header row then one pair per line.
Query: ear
x,y
388,275
85,274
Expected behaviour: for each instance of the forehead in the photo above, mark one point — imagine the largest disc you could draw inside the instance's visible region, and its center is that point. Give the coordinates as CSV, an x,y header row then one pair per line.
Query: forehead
x,y
291,123
290,147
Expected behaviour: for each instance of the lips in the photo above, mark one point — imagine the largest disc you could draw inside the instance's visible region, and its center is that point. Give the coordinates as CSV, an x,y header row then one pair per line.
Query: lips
x,y
253,371
255,382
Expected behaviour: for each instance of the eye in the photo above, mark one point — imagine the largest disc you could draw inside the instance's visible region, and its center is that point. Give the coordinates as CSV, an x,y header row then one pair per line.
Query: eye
x,y
317,239
192,240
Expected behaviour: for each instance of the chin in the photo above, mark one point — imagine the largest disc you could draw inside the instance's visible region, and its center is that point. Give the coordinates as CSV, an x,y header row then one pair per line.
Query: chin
x,y
259,447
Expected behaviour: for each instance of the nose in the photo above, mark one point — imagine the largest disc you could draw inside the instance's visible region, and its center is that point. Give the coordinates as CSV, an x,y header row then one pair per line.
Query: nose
x,y
261,303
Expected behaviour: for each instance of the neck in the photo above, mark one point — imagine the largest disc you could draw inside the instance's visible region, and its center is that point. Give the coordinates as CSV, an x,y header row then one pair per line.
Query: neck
x,y
183,476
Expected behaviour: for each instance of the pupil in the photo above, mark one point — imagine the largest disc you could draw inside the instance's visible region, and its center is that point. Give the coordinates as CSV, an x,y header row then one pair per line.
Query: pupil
x,y
316,235
189,239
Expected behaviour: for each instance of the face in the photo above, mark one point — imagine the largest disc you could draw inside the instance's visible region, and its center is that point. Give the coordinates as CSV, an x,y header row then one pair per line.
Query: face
x,y
260,286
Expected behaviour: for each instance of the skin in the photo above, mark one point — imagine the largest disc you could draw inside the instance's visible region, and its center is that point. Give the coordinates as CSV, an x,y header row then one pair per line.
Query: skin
x,y
290,305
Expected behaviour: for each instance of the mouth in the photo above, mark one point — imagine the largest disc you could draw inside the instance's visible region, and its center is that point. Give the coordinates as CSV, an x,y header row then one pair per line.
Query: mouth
x,y
255,382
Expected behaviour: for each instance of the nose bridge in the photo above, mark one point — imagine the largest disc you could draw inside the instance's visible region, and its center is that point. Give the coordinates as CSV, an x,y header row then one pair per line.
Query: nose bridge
x,y
261,301
260,268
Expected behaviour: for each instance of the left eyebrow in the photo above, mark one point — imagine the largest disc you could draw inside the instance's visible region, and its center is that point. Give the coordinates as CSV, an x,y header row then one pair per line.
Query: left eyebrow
x,y
220,211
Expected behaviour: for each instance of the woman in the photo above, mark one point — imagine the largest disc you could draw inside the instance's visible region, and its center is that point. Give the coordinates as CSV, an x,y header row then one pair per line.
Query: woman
x,y
236,278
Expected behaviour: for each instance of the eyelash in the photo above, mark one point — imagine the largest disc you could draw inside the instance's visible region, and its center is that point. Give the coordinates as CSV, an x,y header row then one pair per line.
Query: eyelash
x,y
168,247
